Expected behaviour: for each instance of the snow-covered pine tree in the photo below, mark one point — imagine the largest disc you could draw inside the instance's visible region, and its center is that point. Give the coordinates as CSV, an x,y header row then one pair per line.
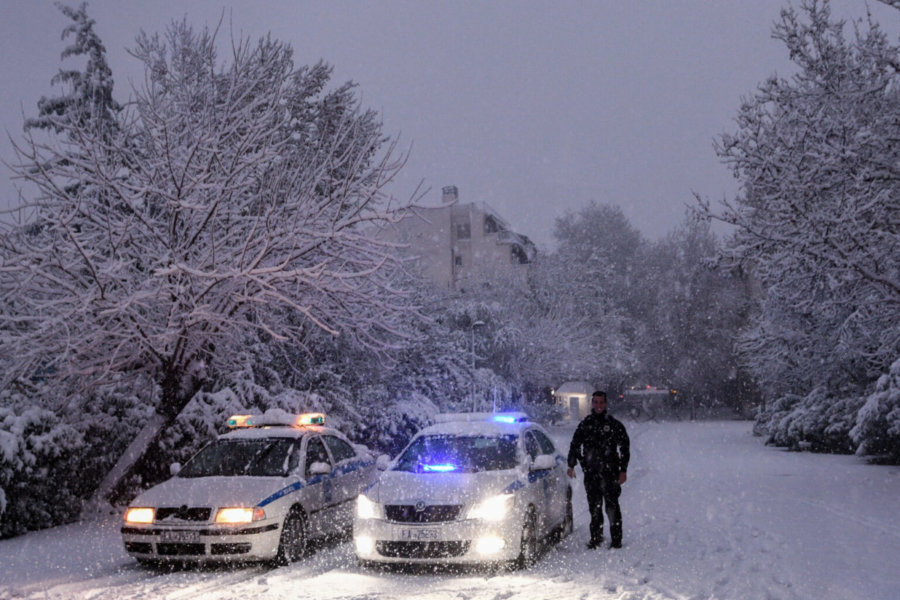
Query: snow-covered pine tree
x,y
88,101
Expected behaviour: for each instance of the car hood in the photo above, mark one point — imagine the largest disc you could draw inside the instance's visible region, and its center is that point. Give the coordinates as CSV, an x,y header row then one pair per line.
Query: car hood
x,y
211,491
399,487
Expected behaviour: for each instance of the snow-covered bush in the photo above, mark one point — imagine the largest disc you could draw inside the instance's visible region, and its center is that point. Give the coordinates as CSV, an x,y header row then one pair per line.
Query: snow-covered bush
x,y
107,420
38,465
387,428
56,445
818,421
771,414
877,427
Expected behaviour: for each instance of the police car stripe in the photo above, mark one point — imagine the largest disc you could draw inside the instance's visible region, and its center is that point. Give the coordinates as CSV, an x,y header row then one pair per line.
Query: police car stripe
x,y
282,493
536,475
532,477
342,470
354,466
515,485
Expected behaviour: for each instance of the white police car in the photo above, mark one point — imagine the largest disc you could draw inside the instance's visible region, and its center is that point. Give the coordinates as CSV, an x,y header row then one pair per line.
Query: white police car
x,y
474,488
258,492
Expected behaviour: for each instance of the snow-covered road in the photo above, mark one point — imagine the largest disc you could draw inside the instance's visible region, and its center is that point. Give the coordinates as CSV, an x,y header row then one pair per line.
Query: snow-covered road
x,y
709,513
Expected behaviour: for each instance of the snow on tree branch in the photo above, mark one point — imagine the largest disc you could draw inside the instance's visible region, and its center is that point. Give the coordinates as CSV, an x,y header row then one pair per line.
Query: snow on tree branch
x,y
223,199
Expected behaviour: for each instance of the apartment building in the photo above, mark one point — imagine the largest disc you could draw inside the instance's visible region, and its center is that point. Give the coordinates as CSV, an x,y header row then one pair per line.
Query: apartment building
x,y
461,245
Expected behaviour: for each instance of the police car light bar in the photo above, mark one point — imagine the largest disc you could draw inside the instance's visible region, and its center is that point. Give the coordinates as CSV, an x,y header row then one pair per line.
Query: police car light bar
x,y
311,419
439,468
501,417
276,417
510,417
240,421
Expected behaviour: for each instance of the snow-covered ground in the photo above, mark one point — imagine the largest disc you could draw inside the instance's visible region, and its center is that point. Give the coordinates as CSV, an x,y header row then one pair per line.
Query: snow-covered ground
x,y
709,512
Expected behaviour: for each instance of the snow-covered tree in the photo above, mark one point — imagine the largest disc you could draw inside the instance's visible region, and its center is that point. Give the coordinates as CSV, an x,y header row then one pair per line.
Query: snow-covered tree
x,y
592,282
690,318
817,218
543,337
229,201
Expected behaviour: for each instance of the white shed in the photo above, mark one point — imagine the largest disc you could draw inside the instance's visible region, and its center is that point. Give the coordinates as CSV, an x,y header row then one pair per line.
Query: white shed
x,y
575,398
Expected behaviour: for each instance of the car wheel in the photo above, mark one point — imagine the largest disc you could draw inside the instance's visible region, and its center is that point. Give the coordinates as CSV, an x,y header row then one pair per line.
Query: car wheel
x,y
292,544
529,548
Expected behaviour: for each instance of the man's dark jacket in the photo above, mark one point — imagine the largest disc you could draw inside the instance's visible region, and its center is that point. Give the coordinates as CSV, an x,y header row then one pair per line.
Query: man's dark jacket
x,y
601,445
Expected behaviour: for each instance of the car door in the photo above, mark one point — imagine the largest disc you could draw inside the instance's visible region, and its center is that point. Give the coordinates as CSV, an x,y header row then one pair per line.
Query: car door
x,y
558,480
347,479
538,483
321,493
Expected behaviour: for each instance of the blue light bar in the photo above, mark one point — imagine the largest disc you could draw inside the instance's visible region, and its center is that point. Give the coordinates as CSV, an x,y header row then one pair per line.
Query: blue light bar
x,y
508,419
438,468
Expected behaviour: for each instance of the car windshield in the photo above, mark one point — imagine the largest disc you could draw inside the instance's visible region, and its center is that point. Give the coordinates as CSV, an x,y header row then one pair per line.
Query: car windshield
x,y
456,453
263,457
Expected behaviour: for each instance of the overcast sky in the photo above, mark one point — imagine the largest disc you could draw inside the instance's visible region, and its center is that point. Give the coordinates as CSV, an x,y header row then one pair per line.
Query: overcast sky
x,y
536,108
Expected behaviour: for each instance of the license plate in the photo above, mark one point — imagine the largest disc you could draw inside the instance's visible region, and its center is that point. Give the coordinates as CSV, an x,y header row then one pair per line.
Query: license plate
x,y
417,534
179,536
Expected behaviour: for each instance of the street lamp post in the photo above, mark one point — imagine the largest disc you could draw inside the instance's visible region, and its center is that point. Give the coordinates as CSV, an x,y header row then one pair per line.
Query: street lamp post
x,y
472,382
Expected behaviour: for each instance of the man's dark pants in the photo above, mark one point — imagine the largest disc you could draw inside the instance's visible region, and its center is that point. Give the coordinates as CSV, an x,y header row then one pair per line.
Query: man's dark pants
x,y
604,488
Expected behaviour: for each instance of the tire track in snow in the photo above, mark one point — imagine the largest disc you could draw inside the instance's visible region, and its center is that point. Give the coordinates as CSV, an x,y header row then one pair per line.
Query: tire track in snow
x,y
889,527
135,582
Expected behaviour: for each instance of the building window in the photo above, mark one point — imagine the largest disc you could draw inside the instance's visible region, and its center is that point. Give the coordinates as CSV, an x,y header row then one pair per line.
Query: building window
x,y
463,231
457,260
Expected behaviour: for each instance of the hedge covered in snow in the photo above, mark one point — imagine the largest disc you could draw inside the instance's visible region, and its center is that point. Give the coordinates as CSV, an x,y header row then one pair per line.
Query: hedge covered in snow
x,y
868,425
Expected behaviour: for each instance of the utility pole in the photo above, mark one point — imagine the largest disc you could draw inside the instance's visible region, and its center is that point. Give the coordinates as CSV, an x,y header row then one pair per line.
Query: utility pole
x,y
472,382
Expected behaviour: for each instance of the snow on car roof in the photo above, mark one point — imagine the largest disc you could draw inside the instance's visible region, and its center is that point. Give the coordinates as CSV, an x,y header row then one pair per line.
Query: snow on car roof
x,y
276,416
485,424
277,431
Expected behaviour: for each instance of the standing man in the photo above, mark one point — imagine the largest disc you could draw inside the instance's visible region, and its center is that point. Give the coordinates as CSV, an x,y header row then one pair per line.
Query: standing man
x,y
601,445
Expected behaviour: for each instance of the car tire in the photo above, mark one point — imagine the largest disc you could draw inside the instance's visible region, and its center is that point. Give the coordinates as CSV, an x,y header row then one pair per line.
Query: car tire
x,y
292,545
529,547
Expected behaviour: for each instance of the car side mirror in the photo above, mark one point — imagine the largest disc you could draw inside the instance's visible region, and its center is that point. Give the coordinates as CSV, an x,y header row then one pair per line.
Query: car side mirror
x,y
382,462
362,450
319,468
174,469
543,462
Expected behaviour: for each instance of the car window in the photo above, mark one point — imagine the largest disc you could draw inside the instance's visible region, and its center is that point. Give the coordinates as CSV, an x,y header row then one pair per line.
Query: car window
x,y
443,453
531,445
340,449
545,442
315,452
263,457
296,458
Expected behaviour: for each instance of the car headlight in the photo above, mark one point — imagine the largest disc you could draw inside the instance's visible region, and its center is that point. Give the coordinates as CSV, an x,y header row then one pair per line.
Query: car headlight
x,y
367,509
137,514
240,514
495,508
